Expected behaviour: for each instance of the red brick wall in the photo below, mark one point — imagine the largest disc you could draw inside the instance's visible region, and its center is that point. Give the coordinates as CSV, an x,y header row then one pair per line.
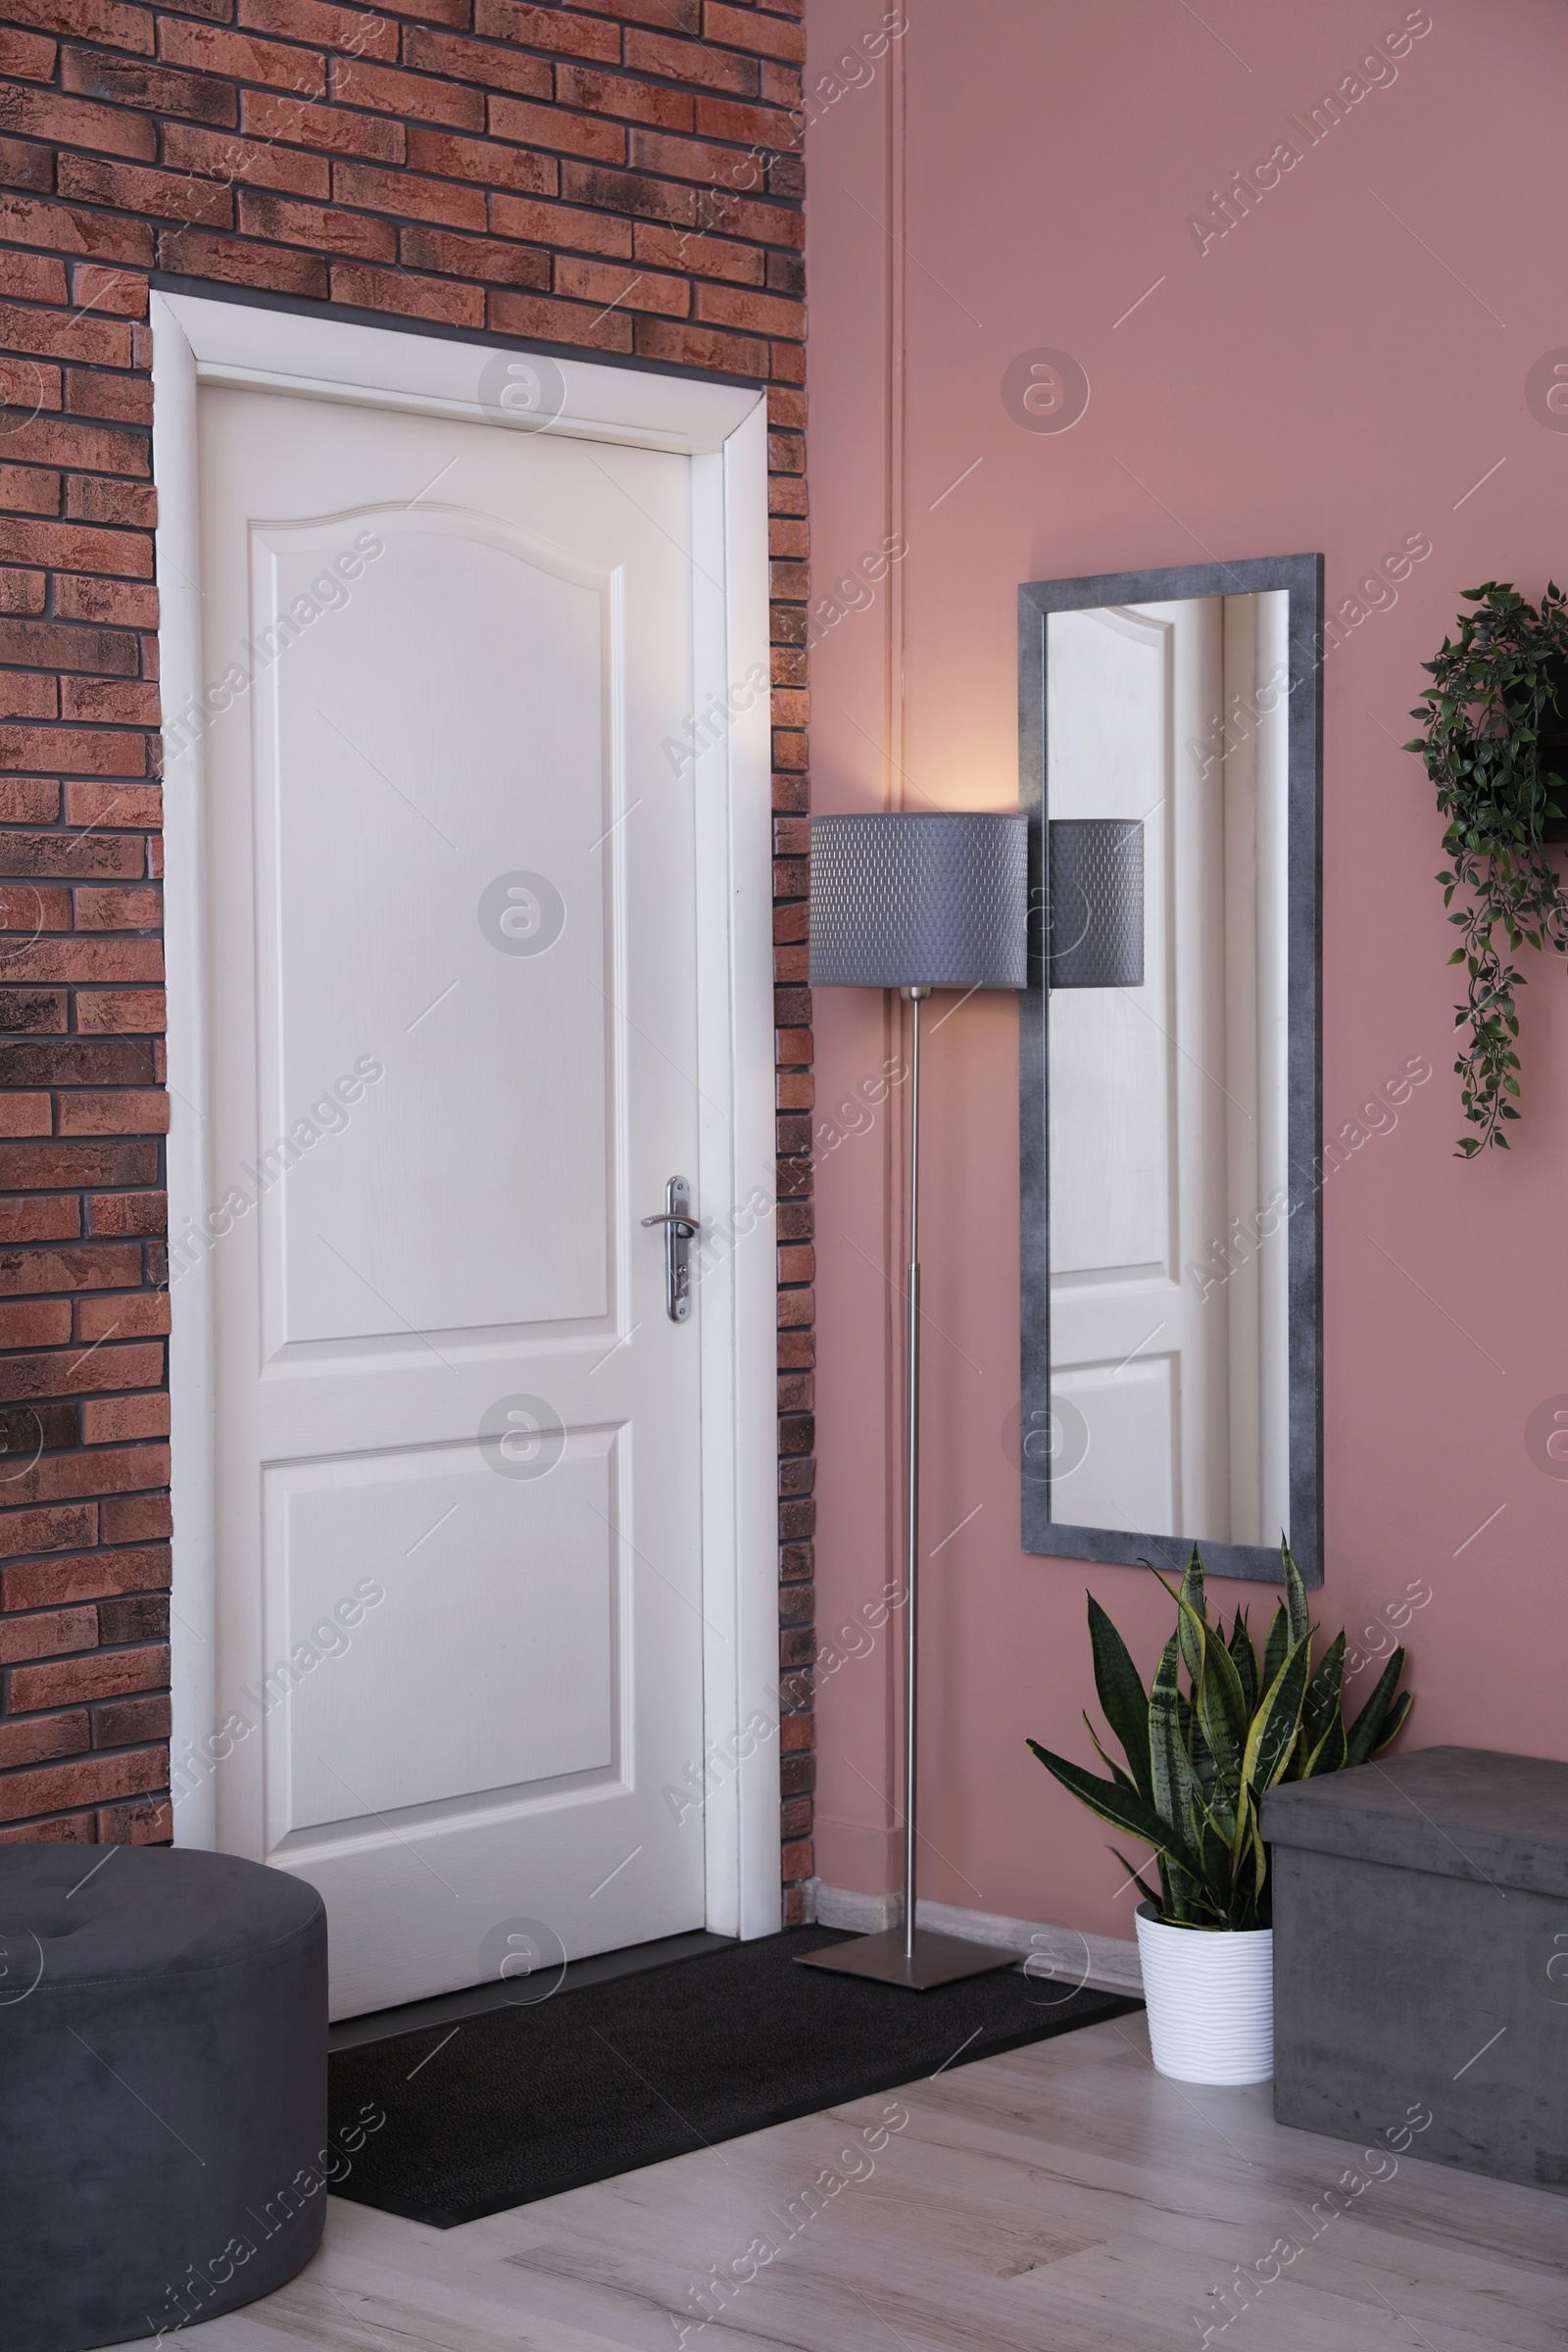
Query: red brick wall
x,y
620,178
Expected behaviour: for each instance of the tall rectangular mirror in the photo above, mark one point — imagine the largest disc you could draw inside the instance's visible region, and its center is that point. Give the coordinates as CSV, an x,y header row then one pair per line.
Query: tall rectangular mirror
x,y
1171,731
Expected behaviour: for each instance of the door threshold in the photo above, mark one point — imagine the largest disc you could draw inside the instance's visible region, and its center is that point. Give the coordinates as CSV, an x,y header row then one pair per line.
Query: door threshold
x,y
452,2008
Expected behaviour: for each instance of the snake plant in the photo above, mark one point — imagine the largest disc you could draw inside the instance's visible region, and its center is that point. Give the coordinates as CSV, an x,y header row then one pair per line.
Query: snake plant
x,y
1199,1759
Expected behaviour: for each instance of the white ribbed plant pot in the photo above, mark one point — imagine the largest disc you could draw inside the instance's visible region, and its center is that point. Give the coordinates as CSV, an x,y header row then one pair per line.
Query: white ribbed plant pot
x,y
1210,1999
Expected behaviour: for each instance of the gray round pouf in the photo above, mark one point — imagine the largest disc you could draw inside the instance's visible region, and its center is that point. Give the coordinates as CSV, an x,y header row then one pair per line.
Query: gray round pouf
x,y
163,2090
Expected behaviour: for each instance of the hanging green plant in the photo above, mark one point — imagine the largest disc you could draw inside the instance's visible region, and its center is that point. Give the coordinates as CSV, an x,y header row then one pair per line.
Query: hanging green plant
x,y
1494,745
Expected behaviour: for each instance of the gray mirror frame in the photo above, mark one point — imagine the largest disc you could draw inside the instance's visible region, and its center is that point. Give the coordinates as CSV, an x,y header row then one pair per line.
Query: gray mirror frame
x,y
1302,577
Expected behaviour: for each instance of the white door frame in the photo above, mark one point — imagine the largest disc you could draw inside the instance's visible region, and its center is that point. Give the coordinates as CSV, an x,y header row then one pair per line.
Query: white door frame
x,y
723,428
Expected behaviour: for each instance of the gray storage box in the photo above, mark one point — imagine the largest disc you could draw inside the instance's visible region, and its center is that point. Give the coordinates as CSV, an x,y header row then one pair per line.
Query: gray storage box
x,y
1421,1958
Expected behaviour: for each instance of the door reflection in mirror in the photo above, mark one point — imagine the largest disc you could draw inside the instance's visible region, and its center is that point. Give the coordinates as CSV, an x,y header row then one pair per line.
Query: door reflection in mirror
x,y
1167,1007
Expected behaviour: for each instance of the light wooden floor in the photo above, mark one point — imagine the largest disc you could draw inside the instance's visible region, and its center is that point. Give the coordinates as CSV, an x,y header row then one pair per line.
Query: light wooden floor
x,y
1062,2200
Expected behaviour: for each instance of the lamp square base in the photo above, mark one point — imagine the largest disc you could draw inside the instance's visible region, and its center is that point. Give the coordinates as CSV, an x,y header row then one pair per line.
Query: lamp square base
x,y
937,1959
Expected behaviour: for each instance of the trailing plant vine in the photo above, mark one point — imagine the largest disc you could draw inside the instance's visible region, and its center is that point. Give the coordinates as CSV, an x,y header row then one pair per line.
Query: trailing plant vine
x,y
1499,787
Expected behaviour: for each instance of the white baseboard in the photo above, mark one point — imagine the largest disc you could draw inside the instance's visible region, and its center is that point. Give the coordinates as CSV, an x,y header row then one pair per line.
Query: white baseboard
x,y
1102,1963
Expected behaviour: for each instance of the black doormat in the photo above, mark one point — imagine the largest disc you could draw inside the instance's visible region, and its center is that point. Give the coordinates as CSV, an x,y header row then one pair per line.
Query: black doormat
x,y
527,2100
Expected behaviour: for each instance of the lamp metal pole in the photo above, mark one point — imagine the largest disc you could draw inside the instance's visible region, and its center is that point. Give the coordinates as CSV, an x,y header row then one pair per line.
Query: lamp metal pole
x,y
912,1471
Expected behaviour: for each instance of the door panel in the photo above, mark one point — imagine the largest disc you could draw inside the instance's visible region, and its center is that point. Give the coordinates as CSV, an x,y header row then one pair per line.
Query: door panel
x,y
1131,1413
452,1063
502,1586
351,773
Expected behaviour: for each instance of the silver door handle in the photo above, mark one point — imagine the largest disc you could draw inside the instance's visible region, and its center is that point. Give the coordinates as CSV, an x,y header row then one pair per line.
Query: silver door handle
x,y
681,1229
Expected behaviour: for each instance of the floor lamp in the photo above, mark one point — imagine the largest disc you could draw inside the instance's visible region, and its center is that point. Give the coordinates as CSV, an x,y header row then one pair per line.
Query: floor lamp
x,y
916,902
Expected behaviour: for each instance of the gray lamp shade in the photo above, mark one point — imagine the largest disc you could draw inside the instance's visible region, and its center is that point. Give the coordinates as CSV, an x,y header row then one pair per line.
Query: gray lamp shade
x,y
918,901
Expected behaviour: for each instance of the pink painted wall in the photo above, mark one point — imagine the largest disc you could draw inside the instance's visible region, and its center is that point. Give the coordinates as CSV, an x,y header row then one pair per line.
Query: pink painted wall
x,y
1338,372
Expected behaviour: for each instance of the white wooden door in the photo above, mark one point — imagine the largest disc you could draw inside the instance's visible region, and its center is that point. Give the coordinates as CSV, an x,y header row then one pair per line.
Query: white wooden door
x,y
452,1055
1137,1085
